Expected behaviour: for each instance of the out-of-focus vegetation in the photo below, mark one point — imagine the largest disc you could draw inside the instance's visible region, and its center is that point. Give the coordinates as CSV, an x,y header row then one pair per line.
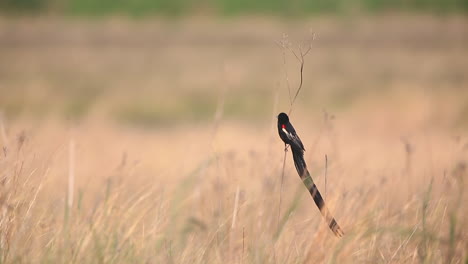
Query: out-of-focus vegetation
x,y
227,7
154,141
149,73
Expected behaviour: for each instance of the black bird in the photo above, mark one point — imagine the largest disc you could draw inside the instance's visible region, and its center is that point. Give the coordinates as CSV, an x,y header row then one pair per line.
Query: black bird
x,y
288,134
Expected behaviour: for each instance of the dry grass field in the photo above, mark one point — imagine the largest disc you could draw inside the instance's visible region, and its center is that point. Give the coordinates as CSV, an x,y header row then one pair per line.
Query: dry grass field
x,y
144,141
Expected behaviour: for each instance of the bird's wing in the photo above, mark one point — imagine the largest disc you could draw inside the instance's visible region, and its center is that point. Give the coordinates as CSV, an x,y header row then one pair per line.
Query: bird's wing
x,y
294,138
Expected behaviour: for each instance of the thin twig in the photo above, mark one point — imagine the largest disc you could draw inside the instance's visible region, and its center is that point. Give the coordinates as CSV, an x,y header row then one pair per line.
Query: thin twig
x,y
301,59
403,245
218,115
243,244
281,185
2,130
71,172
236,205
283,44
326,166
220,106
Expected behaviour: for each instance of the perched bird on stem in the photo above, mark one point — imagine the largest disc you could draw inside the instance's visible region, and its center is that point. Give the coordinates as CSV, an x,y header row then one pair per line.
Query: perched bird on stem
x,y
288,134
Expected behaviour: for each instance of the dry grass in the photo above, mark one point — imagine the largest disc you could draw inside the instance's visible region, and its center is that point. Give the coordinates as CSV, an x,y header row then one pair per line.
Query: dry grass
x,y
397,146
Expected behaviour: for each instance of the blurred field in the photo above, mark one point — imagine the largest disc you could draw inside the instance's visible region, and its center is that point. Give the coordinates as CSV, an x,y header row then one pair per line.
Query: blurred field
x,y
168,129
178,8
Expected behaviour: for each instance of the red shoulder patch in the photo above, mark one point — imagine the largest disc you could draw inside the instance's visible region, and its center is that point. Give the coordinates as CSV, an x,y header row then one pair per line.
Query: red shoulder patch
x,y
283,126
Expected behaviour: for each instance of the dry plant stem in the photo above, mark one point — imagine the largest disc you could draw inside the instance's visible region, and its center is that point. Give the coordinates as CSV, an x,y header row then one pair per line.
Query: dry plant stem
x,y
326,167
71,172
301,61
236,205
287,77
216,122
283,44
243,244
281,185
2,131
273,121
291,102
233,224
219,110
403,245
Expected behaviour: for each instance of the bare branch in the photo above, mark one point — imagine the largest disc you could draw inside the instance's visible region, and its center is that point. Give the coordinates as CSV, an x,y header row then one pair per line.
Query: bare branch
x,y
295,55
301,59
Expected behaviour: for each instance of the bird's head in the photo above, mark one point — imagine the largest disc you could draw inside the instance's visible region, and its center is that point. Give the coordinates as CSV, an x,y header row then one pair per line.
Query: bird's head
x,y
283,118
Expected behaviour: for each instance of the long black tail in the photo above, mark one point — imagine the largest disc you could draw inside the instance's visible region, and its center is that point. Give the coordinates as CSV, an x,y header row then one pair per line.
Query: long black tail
x,y
301,167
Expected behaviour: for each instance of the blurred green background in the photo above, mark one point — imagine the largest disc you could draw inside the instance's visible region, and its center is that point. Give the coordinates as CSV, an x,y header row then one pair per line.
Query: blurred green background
x,y
227,7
